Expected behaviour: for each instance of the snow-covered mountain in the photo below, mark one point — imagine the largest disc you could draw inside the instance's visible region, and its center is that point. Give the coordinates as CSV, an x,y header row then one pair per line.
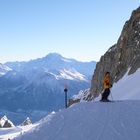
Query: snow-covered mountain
x,y
27,122
4,69
5,122
39,84
56,65
88,121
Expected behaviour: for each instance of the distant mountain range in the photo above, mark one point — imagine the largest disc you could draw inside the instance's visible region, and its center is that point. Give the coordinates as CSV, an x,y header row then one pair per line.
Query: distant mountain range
x,y
38,84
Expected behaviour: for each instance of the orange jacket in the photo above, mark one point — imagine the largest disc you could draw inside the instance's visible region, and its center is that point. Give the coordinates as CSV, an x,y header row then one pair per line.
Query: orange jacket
x,y
106,82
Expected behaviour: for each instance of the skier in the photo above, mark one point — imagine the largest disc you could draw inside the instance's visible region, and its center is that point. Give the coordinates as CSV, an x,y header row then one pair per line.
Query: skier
x,y
107,85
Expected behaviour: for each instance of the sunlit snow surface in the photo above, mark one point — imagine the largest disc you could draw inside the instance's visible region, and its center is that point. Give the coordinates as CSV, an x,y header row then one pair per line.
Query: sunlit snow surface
x,y
128,88
88,121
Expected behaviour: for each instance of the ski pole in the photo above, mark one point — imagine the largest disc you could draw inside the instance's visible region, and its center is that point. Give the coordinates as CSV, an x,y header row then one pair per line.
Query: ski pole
x,y
111,95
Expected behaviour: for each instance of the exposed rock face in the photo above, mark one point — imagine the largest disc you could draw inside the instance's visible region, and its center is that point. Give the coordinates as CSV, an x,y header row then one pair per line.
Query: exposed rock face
x,y
5,122
121,57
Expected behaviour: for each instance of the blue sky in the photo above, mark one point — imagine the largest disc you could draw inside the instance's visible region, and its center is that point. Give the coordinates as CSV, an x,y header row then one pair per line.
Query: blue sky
x,y
80,29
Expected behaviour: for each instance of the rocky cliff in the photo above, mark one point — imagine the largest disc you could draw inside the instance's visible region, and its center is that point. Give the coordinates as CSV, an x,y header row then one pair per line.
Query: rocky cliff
x,y
121,57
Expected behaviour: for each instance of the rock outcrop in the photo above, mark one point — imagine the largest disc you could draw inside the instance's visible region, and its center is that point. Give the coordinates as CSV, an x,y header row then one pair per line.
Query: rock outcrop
x,y
121,57
5,122
26,122
81,96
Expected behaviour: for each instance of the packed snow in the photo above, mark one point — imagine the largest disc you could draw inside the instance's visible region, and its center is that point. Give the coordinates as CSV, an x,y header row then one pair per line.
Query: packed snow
x,y
88,121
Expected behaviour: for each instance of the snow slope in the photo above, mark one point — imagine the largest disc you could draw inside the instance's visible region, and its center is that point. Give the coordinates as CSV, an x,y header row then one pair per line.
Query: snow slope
x,y
128,88
90,121
6,133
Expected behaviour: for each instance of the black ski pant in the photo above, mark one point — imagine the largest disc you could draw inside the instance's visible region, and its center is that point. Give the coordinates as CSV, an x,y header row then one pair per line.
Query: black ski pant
x,y
105,94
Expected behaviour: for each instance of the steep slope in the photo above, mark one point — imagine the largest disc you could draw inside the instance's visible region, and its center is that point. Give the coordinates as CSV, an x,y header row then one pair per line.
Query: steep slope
x,y
119,58
88,121
128,87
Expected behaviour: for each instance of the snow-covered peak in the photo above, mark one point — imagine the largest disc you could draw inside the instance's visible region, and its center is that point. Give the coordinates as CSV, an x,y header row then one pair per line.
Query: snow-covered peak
x,y
26,122
53,62
57,61
4,118
5,122
53,55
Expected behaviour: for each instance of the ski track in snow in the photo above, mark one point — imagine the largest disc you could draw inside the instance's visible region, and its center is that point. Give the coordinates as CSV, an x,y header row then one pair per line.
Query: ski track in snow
x,y
88,121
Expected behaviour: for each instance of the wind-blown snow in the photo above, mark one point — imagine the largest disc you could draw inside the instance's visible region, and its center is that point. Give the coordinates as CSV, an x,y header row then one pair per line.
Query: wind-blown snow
x,y
90,121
